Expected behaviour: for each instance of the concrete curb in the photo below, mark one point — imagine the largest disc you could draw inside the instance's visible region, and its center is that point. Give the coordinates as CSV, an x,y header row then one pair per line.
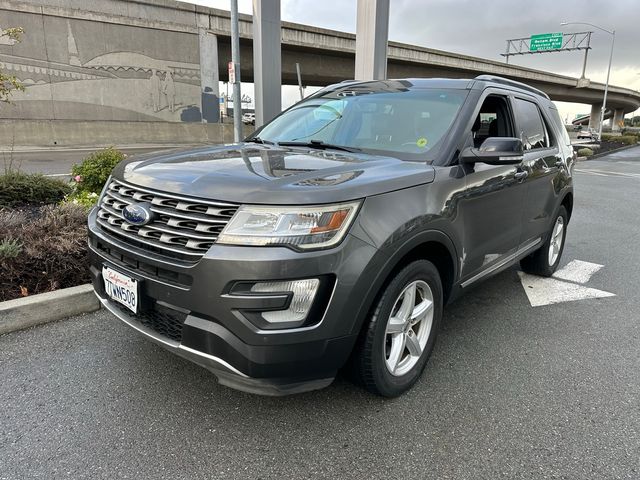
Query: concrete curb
x,y
47,307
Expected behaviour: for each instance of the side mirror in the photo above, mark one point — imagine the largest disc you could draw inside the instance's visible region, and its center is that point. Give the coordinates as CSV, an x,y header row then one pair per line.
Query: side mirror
x,y
495,151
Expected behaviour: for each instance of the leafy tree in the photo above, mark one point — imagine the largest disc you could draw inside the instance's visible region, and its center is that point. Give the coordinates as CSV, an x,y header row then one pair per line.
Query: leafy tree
x,y
9,83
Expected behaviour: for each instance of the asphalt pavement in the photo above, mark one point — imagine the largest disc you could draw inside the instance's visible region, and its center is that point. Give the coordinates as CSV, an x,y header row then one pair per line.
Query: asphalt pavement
x,y
512,391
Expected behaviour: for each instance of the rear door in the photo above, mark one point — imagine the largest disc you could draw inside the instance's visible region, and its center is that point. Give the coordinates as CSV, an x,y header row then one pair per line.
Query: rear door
x,y
542,162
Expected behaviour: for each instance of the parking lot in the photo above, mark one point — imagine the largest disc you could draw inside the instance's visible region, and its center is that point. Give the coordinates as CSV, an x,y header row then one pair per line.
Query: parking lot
x,y
511,391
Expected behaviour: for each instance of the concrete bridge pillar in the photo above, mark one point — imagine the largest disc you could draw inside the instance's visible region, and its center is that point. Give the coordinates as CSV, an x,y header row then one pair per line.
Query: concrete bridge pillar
x,y
618,119
594,118
209,77
267,72
372,31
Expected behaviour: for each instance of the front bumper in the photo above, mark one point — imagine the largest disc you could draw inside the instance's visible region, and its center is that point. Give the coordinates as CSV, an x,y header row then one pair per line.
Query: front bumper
x,y
208,326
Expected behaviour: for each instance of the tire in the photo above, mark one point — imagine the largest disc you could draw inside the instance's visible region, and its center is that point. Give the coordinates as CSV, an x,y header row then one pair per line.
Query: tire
x,y
544,262
376,353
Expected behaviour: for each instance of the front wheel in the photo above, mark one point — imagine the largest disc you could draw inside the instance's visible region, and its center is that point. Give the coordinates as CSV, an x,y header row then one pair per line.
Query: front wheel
x,y
401,331
545,260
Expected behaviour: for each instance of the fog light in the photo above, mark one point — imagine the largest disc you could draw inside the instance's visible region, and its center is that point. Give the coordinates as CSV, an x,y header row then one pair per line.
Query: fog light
x,y
304,291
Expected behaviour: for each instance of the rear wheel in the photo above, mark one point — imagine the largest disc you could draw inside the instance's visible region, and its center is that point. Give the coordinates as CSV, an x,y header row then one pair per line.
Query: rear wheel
x,y
401,332
545,260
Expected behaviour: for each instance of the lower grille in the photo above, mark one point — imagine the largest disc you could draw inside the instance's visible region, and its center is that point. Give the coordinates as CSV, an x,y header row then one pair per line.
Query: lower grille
x,y
163,320
145,269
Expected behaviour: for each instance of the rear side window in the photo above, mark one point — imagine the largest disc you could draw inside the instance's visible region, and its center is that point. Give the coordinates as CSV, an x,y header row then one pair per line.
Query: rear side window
x,y
555,116
530,123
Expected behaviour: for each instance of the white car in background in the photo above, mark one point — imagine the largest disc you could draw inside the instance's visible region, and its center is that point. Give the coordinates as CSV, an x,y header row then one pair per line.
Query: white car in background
x,y
589,134
249,118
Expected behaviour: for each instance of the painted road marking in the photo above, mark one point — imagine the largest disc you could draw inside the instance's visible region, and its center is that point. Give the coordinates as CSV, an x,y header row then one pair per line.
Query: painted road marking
x,y
577,271
592,173
607,173
566,285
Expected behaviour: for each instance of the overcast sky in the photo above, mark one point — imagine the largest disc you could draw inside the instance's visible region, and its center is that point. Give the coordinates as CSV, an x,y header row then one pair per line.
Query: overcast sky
x,y
481,28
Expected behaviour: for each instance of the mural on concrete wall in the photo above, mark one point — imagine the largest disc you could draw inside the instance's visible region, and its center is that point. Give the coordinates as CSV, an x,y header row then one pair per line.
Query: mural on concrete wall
x,y
81,70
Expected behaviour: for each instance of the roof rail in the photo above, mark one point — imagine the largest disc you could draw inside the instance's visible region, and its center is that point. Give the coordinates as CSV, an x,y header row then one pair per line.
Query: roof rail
x,y
513,83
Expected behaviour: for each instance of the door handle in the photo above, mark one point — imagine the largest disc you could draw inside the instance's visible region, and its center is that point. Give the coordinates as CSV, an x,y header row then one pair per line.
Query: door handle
x,y
559,163
521,175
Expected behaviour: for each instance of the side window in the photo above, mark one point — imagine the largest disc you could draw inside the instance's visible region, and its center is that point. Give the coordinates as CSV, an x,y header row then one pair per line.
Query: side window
x,y
560,126
493,120
532,130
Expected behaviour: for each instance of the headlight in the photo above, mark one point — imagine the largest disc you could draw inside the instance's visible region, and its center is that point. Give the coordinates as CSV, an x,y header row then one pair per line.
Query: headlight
x,y
301,227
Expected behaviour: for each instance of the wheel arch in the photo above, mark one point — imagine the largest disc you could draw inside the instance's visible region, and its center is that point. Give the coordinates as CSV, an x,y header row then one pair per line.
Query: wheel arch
x,y
432,245
567,203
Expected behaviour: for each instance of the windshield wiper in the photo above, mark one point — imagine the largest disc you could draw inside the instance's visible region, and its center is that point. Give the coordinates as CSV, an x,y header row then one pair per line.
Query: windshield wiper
x,y
260,140
320,145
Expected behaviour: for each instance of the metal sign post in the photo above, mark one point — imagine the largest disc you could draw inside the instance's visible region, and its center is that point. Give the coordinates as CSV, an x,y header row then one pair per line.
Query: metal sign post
x,y
234,70
300,81
551,42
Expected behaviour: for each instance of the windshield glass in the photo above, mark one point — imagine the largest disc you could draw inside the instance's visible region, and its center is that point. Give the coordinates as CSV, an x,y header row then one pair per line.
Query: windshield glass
x,y
396,121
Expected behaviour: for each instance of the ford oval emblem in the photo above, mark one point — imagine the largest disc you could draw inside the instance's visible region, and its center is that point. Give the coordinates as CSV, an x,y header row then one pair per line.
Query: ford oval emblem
x,y
137,213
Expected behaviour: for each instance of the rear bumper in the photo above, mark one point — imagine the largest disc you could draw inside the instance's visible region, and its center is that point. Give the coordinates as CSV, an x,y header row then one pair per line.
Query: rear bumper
x,y
214,330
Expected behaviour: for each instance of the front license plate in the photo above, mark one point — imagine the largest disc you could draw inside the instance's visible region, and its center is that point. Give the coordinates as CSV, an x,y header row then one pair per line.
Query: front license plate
x,y
121,288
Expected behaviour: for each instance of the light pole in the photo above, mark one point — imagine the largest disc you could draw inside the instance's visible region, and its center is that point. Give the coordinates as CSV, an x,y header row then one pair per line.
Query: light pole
x,y
606,85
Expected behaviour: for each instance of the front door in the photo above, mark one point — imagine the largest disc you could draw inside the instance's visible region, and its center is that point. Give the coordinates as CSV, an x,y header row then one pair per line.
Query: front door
x,y
493,198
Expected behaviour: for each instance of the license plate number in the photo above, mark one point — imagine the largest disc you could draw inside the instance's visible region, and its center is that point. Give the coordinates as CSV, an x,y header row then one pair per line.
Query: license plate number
x,y
121,288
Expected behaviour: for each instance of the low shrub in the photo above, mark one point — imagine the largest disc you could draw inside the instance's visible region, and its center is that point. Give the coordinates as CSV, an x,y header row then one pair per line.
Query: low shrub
x,y
43,250
21,189
609,137
585,152
91,175
631,131
628,139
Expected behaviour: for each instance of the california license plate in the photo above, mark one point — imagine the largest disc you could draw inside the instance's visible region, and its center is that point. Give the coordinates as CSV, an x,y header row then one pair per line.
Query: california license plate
x,y
121,288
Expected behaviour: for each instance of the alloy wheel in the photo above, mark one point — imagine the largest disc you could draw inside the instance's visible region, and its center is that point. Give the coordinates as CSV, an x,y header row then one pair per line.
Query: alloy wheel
x,y
408,328
555,245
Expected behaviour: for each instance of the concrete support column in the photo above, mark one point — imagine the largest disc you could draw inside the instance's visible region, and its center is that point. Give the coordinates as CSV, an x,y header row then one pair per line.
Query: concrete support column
x,y
267,72
372,32
594,118
618,119
209,77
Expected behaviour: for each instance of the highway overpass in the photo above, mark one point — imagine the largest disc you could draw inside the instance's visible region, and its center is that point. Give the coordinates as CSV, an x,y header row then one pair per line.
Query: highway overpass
x,y
327,56
91,64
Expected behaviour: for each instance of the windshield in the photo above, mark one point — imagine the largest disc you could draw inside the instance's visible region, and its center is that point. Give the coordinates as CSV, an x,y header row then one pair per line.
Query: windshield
x,y
396,121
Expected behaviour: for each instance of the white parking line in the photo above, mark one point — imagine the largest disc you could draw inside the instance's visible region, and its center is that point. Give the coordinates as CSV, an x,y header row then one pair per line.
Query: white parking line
x,y
591,173
607,173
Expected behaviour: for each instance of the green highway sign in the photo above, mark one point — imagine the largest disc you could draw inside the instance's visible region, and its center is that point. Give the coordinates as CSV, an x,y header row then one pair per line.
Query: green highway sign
x,y
545,41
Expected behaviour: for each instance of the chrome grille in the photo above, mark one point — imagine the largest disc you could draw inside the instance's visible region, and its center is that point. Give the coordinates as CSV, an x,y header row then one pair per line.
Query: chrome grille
x,y
182,227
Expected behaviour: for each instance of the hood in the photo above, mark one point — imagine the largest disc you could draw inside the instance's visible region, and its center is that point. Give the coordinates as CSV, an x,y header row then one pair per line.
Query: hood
x,y
262,174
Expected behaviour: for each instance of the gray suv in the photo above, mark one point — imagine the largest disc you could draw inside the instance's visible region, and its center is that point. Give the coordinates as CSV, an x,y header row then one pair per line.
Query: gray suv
x,y
332,237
